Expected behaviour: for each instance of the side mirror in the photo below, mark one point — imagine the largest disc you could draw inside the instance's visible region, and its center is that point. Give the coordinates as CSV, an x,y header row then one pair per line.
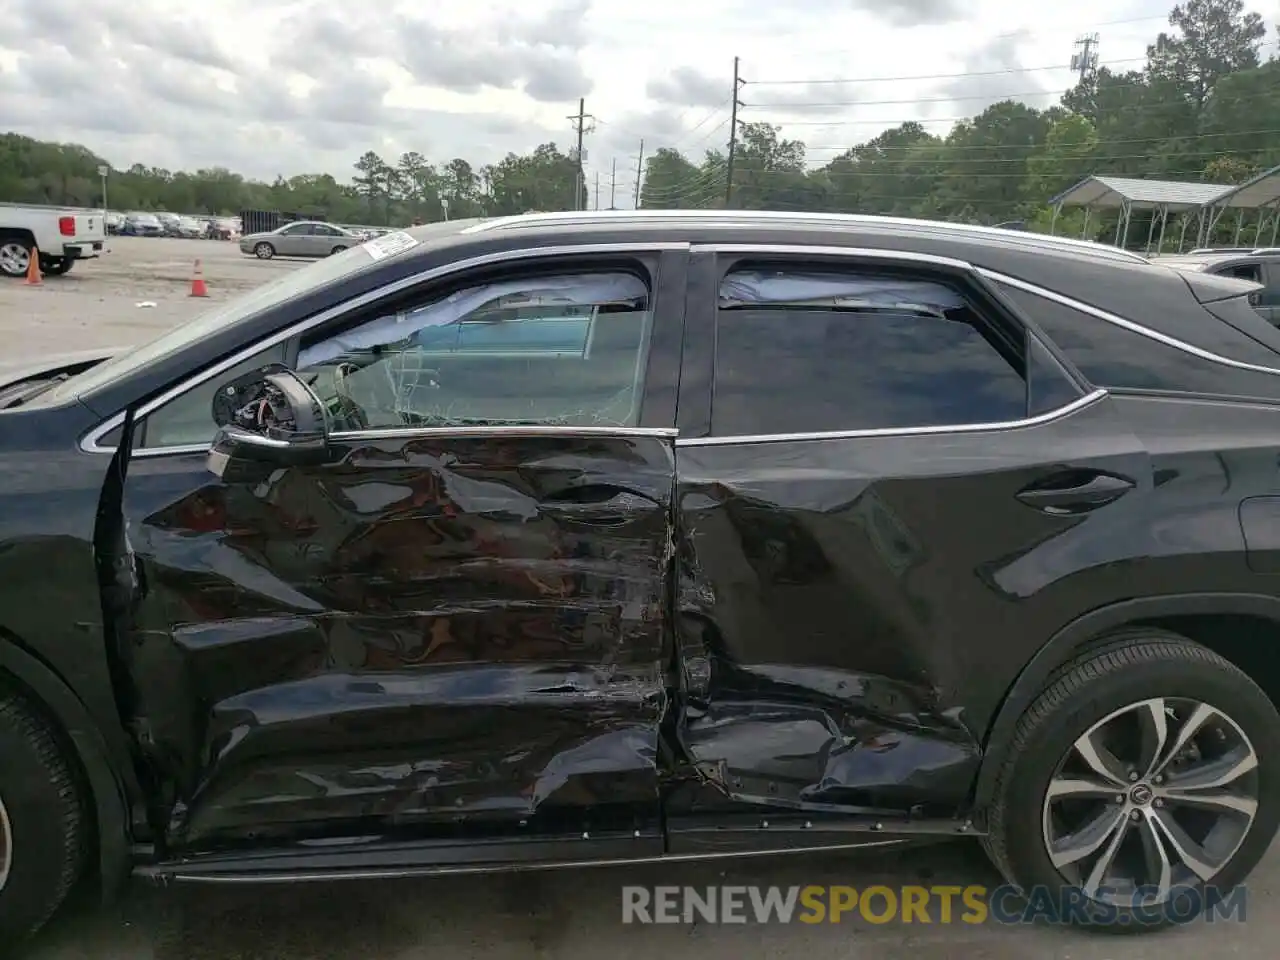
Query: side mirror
x,y
268,420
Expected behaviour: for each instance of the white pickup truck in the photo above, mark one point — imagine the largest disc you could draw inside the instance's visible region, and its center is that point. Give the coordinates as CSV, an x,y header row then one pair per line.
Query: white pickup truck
x,y
62,235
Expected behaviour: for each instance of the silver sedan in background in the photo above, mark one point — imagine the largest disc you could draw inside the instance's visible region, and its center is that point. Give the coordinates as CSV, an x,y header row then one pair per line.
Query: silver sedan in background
x,y
304,238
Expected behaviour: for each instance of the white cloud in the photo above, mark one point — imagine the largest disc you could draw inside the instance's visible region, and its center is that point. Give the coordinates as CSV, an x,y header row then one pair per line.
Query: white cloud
x,y
271,87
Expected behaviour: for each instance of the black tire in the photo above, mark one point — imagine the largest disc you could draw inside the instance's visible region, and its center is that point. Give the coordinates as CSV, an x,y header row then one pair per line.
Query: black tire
x,y
55,266
336,250
46,817
1131,667
264,251
8,267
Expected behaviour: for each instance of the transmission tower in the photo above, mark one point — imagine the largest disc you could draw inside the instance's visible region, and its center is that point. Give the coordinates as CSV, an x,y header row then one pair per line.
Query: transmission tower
x,y
1085,62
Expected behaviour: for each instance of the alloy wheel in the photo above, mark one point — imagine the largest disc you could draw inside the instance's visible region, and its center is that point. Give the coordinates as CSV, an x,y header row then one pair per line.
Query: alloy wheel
x,y
1155,798
15,258
6,845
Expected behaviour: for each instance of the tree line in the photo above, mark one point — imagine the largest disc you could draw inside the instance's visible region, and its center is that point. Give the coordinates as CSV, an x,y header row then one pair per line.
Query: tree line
x,y
1204,106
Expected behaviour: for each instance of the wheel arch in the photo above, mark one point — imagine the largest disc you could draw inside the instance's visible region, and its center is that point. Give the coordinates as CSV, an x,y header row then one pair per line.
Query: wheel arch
x,y
1192,614
75,727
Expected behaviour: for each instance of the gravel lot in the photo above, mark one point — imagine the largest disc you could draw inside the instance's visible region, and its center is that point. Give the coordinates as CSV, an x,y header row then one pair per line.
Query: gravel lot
x,y
97,303
557,914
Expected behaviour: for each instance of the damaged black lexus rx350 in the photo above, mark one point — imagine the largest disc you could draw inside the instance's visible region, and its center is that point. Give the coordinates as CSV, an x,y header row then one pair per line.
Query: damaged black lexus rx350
x,y
569,539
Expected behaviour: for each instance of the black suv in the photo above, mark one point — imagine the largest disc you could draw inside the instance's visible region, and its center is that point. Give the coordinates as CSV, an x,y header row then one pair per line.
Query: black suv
x,y
1259,265
576,539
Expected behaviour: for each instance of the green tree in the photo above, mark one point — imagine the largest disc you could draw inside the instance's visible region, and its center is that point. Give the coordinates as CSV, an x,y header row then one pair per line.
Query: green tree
x,y
668,178
1215,38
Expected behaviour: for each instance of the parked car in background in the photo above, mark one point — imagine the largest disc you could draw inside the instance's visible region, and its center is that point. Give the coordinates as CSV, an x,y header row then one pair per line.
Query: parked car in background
x,y
190,228
61,236
222,228
573,539
172,224
1260,265
114,221
305,238
141,225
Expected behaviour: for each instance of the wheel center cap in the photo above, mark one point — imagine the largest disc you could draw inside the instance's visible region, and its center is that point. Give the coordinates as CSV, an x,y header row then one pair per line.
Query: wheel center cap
x,y
1141,795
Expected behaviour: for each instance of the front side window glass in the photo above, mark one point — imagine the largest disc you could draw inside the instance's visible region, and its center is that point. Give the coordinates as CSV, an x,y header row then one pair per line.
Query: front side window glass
x,y
563,350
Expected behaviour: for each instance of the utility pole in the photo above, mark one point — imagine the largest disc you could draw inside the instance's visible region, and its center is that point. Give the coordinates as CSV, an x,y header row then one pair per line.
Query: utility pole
x,y
597,189
579,121
613,186
733,132
639,173
1086,61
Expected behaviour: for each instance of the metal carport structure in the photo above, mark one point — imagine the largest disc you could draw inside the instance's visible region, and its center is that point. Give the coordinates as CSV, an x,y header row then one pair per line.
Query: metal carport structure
x,y
1262,193
1127,194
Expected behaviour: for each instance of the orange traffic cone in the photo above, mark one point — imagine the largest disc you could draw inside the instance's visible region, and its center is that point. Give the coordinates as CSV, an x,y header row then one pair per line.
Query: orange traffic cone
x,y
198,289
33,268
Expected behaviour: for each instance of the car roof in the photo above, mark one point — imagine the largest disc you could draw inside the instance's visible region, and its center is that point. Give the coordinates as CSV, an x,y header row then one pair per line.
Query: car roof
x,y
844,227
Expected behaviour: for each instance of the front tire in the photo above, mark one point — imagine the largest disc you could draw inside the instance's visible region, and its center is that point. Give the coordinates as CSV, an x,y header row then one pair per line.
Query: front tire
x,y
43,828
336,250
1141,787
264,251
15,256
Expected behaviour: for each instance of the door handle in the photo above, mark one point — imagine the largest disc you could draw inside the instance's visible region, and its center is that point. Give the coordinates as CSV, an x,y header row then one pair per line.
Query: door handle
x,y
1071,493
601,507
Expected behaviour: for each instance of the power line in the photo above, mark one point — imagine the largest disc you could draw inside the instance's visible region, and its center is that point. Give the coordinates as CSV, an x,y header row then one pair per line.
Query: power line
x,y
942,168
879,103
891,122
681,140
964,75
1097,156
1005,148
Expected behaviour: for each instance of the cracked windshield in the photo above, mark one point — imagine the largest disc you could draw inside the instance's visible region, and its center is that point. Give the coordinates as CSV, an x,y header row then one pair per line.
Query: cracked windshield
x,y
702,480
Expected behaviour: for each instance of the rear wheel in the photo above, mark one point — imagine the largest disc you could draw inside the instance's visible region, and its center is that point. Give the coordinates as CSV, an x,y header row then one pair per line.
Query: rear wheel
x,y
55,266
43,829
1141,787
15,256
336,250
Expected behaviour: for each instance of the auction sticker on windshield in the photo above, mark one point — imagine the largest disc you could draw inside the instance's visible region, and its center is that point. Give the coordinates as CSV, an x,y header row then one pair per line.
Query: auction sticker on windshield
x,y
389,245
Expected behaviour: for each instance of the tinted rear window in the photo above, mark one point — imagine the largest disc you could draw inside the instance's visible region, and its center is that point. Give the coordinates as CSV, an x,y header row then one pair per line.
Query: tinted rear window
x,y
1110,356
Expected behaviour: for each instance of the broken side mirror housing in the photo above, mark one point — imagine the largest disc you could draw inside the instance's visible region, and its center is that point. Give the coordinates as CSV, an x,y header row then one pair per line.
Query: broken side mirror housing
x,y
270,419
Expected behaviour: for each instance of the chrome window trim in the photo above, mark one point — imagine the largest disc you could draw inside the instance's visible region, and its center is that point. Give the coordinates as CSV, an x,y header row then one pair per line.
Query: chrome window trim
x,y
1114,319
992,275
766,250
427,433
887,432
89,442
505,430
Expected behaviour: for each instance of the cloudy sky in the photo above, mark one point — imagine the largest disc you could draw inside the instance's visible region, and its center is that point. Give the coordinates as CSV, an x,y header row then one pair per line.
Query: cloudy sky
x,y
271,87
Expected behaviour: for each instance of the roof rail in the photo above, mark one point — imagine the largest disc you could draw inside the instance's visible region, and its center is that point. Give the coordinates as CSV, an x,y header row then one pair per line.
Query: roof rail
x,y
1260,251
586,216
